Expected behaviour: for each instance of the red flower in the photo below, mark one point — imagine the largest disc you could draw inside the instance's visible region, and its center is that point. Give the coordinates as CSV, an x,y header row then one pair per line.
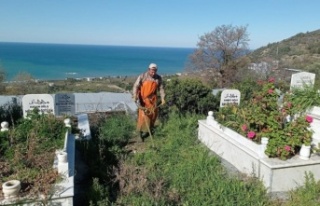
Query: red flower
x,y
260,82
244,127
287,148
309,119
270,91
271,80
251,134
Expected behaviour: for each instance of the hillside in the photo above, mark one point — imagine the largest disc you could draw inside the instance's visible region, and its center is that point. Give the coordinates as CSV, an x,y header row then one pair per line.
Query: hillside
x,y
301,51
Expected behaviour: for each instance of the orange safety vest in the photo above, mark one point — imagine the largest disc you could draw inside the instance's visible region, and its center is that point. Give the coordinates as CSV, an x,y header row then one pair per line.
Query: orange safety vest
x,y
148,112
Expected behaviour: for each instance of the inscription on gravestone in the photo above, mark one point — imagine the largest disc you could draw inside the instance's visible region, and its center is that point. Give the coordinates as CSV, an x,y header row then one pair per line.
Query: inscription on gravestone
x,y
64,104
44,102
230,96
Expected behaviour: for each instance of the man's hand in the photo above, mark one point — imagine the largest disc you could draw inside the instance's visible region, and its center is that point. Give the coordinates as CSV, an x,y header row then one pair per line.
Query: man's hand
x,y
163,102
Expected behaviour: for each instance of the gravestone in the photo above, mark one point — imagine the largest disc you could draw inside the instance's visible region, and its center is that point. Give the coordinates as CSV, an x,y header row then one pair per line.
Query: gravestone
x,y
230,96
64,104
44,102
300,79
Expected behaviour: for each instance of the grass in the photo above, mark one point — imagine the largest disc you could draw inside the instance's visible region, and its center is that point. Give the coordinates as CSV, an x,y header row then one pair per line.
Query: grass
x,y
179,170
172,169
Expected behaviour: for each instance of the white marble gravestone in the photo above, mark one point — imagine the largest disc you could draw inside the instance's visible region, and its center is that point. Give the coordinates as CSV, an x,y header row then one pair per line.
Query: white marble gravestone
x,y
300,79
230,96
44,102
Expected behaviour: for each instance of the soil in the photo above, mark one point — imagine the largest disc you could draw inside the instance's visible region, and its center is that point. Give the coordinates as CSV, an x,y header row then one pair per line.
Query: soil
x,y
135,145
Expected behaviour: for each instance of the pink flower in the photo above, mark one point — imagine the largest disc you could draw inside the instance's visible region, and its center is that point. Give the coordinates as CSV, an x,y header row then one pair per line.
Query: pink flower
x,y
244,127
289,104
270,91
309,119
271,80
287,148
251,134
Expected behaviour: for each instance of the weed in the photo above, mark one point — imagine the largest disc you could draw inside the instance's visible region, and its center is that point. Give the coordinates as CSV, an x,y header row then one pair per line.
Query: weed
x,y
28,153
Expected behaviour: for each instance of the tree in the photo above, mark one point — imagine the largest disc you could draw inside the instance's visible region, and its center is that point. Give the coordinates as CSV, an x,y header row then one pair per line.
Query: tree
x,y
23,83
219,53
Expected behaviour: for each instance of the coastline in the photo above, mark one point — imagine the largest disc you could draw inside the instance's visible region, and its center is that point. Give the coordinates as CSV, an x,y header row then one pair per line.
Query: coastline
x,y
118,84
93,78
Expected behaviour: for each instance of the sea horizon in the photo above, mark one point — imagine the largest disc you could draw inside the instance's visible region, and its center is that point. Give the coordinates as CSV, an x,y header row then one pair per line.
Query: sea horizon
x,y
48,61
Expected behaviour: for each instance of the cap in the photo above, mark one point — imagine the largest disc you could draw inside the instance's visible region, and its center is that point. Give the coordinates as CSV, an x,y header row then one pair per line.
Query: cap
x,y
153,66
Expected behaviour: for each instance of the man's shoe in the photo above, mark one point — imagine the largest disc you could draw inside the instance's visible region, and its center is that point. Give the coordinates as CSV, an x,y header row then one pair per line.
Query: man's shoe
x,y
142,136
145,134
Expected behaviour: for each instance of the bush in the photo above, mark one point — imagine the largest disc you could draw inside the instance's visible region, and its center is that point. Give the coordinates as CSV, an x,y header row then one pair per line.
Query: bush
x,y
4,142
47,130
304,98
10,113
264,116
190,95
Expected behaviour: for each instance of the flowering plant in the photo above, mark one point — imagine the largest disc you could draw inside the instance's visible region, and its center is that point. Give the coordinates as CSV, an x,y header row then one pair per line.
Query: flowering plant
x,y
265,116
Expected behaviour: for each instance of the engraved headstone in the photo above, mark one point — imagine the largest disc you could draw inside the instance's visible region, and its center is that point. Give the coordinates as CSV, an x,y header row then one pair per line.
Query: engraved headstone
x,y
44,102
64,104
300,79
230,96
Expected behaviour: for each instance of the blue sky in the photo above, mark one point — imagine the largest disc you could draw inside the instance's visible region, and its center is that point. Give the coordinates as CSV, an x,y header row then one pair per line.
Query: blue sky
x,y
165,23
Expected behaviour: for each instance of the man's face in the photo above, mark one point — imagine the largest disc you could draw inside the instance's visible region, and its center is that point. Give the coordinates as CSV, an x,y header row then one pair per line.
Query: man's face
x,y
152,71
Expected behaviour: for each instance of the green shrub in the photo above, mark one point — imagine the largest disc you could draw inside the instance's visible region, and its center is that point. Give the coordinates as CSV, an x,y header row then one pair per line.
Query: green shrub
x,y
247,88
98,194
304,98
47,131
10,113
4,142
190,95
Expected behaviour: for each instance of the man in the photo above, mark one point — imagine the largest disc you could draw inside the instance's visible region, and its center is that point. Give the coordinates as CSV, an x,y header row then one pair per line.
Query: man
x,y
145,94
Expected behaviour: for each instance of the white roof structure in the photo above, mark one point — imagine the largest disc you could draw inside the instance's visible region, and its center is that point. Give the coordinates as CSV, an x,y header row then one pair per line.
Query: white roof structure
x,y
104,102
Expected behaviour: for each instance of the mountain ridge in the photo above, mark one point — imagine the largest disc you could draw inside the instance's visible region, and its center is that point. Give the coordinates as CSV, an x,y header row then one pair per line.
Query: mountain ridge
x,y
301,51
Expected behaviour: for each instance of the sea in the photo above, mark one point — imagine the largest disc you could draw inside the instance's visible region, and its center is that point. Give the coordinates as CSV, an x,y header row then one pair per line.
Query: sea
x,y
62,61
